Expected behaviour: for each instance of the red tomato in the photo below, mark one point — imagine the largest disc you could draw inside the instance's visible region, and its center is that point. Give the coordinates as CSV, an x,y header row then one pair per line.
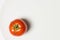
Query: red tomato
x,y
17,27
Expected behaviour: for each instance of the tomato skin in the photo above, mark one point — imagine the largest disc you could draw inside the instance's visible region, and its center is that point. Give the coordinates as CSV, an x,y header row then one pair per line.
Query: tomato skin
x,y
23,27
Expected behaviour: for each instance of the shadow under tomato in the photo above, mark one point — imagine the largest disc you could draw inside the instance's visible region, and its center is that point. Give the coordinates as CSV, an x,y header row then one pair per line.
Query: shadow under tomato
x,y
28,23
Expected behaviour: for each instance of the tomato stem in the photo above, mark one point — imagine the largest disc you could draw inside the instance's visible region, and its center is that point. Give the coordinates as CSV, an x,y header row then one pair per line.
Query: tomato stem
x,y
16,27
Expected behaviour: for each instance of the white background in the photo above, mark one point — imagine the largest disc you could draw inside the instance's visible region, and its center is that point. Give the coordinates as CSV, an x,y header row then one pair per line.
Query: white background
x,y
44,16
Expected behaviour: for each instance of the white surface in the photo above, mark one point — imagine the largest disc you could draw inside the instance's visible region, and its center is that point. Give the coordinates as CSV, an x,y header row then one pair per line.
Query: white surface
x,y
1,3
43,14
1,36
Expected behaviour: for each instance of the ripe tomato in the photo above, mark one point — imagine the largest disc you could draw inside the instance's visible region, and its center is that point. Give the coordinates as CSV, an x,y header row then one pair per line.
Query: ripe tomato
x,y
17,27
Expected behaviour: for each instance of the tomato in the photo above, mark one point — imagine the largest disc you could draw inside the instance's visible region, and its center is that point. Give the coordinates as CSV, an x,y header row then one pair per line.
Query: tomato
x,y
17,27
